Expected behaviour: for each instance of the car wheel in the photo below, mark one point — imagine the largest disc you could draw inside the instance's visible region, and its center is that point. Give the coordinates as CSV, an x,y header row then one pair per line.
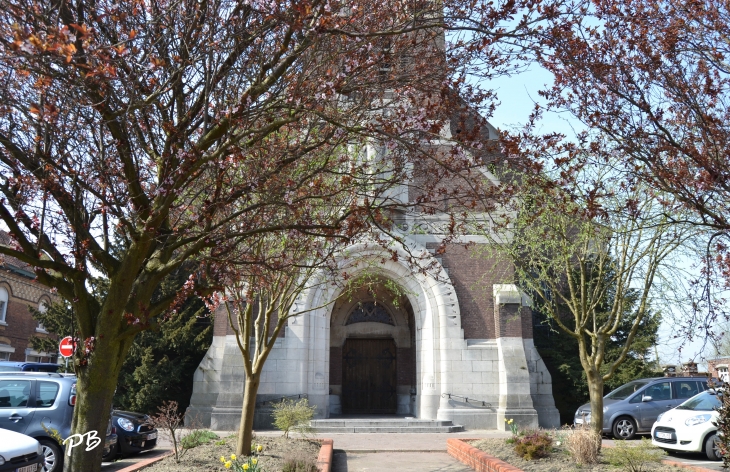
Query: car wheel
x,y
53,458
712,450
624,428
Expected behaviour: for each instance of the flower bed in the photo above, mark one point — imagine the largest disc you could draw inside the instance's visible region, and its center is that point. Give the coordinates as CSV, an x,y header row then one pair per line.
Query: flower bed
x,y
272,458
496,455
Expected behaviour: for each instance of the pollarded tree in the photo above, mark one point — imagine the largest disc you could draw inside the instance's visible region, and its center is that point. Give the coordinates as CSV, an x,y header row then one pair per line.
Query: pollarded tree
x,y
558,350
585,249
180,126
263,285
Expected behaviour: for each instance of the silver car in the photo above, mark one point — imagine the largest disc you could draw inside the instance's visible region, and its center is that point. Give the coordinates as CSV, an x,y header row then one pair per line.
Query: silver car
x,y
39,405
634,407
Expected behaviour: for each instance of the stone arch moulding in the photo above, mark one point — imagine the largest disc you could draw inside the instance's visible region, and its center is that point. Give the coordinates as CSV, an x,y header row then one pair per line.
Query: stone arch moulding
x,y
436,316
4,284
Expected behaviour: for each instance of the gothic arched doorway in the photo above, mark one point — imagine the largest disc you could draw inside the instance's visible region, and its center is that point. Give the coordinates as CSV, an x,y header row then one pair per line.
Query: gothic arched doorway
x,y
372,353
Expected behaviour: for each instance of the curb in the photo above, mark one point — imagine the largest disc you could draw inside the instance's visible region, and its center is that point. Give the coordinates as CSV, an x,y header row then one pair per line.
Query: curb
x,y
147,462
483,462
324,459
476,459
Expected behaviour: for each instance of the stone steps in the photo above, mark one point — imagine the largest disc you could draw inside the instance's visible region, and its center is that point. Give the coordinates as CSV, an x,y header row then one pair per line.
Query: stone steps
x,y
386,425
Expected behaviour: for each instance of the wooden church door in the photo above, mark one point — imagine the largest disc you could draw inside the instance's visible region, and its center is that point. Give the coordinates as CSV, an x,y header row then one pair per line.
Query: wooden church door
x,y
369,376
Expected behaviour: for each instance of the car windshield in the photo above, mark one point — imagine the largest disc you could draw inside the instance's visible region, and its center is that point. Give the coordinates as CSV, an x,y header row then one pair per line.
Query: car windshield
x,y
625,391
705,401
8,368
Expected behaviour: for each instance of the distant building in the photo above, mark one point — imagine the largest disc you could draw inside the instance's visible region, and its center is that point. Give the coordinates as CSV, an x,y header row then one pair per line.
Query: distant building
x,y
18,292
686,369
718,368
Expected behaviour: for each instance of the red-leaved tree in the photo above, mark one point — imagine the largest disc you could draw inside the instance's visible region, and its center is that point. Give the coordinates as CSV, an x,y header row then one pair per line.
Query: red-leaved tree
x,y
650,80
137,136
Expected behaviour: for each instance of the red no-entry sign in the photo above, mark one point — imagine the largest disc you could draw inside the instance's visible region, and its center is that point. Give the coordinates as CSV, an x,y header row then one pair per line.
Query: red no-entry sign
x,y
66,347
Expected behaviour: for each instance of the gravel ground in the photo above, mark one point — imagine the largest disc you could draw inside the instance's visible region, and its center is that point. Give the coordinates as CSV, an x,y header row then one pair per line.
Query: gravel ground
x,y
207,456
559,461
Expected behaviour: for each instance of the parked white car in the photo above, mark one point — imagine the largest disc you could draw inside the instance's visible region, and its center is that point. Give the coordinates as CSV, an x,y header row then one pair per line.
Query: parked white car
x,y
690,426
19,452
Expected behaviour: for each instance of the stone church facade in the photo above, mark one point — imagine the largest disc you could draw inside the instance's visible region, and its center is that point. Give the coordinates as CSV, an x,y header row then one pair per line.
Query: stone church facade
x,y
451,343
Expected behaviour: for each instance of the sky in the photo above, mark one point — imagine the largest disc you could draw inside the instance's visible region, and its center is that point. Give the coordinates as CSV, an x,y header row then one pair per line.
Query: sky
x,y
518,95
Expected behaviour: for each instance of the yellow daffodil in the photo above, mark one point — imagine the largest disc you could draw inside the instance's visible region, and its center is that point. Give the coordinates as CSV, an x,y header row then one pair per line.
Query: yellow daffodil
x,y
233,457
223,459
245,466
254,461
228,464
259,448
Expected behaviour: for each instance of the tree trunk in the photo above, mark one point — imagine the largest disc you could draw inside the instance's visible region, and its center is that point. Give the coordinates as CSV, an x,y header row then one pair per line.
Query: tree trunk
x,y
595,390
95,387
245,429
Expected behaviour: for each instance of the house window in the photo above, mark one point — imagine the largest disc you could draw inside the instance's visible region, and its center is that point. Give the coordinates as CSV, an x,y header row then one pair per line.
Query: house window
x,y
5,351
722,372
31,355
3,305
42,307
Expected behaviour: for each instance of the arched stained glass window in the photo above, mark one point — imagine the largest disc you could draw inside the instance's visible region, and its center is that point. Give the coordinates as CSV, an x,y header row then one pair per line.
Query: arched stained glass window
x,y
369,312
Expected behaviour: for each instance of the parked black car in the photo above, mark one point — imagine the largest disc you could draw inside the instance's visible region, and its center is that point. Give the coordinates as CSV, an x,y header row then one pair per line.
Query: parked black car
x,y
134,431
110,443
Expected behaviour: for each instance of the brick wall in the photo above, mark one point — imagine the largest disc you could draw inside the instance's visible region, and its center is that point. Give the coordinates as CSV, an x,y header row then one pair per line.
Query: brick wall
x,y
473,274
526,316
712,368
476,459
221,327
514,320
22,293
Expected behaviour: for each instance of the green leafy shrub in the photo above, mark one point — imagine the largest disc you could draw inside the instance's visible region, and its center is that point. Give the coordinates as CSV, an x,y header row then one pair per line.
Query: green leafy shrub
x,y
293,416
534,445
198,437
635,458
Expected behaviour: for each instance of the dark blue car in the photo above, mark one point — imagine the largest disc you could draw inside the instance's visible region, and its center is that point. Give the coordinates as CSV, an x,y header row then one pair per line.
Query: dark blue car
x,y
9,366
